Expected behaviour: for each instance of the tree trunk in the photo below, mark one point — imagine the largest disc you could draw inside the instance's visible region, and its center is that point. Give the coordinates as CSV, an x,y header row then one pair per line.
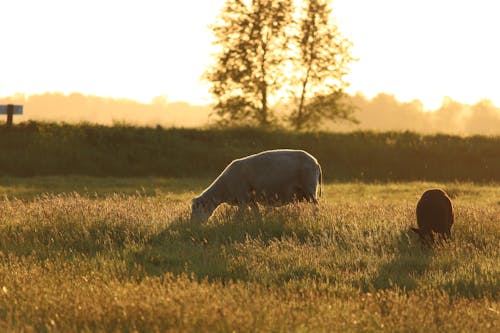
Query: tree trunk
x,y
263,117
299,121
263,85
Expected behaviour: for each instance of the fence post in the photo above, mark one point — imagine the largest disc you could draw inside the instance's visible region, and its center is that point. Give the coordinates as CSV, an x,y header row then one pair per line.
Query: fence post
x,y
10,113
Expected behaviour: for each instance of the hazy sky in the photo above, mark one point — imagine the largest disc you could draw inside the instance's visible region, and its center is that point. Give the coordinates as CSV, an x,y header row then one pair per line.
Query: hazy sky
x,y
415,49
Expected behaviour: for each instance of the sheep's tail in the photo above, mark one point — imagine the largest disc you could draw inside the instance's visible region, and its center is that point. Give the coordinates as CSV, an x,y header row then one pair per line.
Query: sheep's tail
x,y
320,180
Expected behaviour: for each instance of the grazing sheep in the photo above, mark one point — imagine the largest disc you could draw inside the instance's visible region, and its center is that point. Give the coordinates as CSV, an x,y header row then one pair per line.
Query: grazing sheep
x,y
434,214
274,177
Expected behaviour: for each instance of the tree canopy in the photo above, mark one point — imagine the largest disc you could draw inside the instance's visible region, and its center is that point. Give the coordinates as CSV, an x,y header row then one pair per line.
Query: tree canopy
x,y
274,51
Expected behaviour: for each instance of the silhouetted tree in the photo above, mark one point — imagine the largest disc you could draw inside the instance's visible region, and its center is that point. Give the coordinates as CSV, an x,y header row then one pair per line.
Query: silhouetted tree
x,y
249,68
320,63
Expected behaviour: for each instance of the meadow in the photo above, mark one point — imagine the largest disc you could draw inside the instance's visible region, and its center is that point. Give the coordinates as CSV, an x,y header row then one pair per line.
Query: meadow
x,y
95,234
92,254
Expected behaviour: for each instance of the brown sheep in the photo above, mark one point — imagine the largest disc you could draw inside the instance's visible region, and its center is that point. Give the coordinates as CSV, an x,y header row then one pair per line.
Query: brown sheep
x,y
434,214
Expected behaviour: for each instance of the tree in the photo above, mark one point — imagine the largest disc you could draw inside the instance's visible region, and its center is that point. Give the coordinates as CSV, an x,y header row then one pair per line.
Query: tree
x,y
248,71
320,63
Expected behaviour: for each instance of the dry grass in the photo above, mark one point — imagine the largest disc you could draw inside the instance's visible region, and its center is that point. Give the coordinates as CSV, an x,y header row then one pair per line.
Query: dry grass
x,y
71,262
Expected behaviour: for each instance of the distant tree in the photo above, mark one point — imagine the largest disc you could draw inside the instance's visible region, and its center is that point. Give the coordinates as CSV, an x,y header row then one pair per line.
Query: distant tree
x,y
484,118
320,60
252,39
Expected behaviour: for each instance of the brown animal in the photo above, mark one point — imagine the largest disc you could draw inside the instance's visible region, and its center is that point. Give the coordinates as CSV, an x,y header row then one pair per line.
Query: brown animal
x,y
434,214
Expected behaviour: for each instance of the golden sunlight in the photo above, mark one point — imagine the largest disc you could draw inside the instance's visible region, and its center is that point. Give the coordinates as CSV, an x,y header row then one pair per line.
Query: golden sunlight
x,y
422,50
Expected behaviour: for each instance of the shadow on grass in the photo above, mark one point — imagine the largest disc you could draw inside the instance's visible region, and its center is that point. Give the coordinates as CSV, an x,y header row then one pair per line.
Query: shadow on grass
x,y
411,260
204,250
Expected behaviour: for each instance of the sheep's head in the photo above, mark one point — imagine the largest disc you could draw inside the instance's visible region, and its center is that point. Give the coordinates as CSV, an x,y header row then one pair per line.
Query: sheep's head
x,y
201,210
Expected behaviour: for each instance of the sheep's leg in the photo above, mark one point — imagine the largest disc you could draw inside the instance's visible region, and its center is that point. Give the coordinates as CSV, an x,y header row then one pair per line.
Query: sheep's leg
x,y
255,210
243,210
447,234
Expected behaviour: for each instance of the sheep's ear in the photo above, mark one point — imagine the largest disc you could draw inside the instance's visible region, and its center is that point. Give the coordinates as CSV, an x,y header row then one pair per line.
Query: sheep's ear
x,y
416,230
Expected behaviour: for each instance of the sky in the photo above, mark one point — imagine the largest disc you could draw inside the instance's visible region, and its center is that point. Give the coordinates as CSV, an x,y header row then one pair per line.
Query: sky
x,y
422,49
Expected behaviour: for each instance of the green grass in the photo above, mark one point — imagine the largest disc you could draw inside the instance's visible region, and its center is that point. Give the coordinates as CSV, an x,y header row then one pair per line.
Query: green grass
x,y
109,254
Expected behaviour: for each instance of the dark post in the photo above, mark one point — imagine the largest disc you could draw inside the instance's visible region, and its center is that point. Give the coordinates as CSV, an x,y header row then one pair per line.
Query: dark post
x,y
10,113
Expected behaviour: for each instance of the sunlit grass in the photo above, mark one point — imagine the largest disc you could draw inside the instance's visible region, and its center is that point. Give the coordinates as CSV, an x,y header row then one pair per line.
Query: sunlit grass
x,y
133,261
30,187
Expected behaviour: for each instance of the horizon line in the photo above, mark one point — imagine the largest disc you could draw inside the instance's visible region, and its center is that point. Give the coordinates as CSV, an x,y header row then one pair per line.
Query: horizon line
x,y
164,100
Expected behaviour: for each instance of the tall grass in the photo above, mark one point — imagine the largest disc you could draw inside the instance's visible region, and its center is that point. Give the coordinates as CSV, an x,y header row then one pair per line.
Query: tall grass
x,y
72,262
31,149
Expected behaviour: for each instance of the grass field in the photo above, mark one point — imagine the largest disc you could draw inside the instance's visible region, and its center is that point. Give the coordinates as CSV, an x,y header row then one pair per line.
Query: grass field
x,y
119,254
